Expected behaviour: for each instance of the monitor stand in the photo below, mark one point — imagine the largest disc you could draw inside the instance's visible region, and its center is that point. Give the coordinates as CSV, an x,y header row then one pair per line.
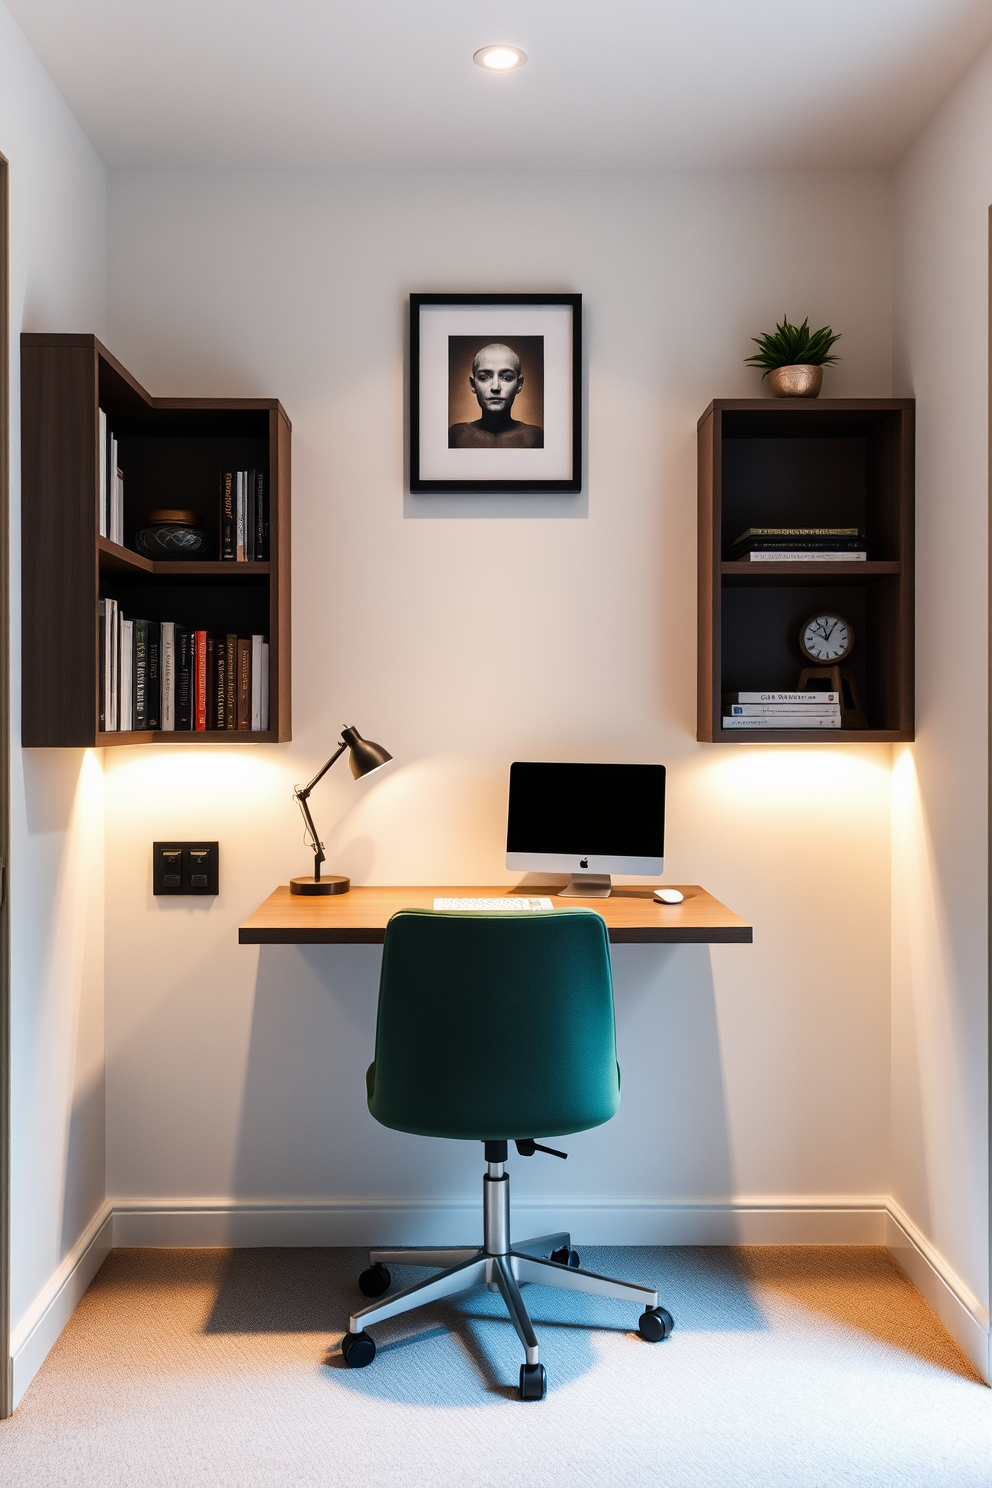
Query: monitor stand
x,y
587,886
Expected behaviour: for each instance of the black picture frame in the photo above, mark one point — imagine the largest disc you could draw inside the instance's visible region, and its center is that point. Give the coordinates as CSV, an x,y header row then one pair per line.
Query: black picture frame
x,y
431,482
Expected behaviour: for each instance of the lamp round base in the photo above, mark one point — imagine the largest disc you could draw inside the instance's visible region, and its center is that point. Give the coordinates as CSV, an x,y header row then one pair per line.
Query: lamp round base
x,y
334,883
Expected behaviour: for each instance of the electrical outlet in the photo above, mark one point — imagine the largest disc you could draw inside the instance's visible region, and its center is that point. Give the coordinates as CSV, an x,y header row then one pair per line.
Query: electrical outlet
x,y
185,867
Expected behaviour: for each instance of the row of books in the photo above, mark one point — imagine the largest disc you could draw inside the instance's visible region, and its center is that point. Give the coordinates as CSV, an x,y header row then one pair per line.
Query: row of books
x,y
799,545
111,485
244,517
160,675
781,710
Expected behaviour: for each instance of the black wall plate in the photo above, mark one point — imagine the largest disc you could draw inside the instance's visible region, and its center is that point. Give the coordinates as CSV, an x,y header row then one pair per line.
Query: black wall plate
x,y
185,867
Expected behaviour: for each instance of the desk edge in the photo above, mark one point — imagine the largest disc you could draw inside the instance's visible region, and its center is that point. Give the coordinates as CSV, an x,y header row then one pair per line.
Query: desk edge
x,y
620,935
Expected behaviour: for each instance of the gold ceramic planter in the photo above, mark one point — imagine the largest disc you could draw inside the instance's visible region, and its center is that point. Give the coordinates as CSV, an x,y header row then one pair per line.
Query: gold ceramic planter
x,y
799,381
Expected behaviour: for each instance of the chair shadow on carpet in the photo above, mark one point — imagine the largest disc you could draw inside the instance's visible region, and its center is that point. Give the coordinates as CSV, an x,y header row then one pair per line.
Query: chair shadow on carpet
x,y
440,1354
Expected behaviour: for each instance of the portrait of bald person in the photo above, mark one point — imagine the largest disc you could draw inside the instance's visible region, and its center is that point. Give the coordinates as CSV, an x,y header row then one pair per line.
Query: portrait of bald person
x,y
496,379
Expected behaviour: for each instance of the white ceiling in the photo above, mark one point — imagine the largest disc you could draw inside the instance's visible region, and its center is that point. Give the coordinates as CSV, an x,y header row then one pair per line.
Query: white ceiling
x,y
610,83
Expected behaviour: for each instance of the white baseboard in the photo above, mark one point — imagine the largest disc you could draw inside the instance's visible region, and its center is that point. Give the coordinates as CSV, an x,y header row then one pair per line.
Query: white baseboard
x,y
754,1220
764,1220
952,1300
44,1320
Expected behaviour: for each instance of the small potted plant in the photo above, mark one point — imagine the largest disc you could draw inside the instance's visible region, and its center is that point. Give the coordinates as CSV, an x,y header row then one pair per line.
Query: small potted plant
x,y
794,358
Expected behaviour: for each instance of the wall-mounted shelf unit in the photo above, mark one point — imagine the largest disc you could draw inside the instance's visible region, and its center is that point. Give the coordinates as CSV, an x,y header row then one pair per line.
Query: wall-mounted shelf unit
x,y
790,462
171,451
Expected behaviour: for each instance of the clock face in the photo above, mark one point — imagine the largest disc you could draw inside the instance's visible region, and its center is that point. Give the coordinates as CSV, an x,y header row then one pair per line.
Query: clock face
x,y
826,638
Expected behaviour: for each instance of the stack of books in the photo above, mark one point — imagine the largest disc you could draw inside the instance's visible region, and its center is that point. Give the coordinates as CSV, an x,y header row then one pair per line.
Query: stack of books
x,y
799,545
244,517
164,676
111,485
781,710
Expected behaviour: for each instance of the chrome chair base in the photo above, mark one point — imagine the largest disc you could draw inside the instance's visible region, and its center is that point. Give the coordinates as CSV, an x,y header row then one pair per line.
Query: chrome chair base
x,y
502,1268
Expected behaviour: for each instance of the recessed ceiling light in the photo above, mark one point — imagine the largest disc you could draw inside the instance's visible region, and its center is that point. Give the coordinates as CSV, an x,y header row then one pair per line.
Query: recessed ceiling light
x,y
499,58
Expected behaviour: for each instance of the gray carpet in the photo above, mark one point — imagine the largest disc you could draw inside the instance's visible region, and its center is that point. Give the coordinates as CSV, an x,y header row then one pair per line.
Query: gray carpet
x,y
807,1367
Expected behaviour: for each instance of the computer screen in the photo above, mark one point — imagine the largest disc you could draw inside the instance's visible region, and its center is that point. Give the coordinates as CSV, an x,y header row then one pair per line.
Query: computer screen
x,y
599,819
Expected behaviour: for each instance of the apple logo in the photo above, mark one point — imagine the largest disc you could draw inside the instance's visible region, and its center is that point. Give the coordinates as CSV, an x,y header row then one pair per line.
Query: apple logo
x,y
583,862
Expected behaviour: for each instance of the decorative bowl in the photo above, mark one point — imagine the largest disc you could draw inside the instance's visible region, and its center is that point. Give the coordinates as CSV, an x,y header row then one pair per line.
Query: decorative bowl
x,y
803,380
173,534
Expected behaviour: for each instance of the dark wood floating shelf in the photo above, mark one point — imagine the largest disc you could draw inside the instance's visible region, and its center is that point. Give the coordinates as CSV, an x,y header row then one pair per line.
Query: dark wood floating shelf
x,y
831,462
184,736
761,571
807,736
112,555
167,446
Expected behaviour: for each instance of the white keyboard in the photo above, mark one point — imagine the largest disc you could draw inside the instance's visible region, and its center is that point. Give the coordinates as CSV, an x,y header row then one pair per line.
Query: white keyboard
x,y
495,906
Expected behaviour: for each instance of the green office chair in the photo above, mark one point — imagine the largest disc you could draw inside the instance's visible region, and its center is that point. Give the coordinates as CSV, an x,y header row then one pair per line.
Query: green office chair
x,y
495,1028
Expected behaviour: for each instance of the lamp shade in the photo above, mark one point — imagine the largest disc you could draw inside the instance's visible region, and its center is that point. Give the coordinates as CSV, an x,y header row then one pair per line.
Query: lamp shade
x,y
366,755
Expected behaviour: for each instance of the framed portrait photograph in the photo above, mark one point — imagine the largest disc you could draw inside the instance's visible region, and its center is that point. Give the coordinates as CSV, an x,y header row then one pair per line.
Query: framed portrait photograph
x,y
495,392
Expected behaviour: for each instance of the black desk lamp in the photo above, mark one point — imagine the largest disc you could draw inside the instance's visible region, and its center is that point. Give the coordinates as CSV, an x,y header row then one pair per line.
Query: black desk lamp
x,y
365,757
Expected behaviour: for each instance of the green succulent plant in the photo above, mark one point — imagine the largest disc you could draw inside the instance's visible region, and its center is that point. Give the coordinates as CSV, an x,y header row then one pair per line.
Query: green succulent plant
x,y
793,346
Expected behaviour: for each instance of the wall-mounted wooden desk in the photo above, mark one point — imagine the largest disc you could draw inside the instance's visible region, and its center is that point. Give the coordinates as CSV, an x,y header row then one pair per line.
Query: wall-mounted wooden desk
x,y
632,915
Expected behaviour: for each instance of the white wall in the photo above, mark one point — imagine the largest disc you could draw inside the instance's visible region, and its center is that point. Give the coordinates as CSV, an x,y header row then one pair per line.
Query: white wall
x,y
940,820
465,632
58,283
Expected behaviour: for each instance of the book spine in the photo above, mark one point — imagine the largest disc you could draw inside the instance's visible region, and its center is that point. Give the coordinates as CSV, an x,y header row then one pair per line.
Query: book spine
x,y
261,519
239,523
141,674
102,477
153,692
104,666
820,543
256,683
781,723
265,685
228,550
220,684
782,710
167,645
127,676
109,465
112,485
115,490
782,532
804,556
185,647
113,721
816,699
250,553
200,682
212,649
230,717
244,683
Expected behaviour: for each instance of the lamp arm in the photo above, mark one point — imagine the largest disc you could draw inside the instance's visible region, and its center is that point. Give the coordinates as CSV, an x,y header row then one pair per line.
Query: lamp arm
x,y
311,832
301,793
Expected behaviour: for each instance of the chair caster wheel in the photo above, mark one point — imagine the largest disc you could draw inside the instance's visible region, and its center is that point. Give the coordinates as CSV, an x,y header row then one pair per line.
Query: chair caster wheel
x,y
374,1281
533,1382
566,1257
655,1324
358,1350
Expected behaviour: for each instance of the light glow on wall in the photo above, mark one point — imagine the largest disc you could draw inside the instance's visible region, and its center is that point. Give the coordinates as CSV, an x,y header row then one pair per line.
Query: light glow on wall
x,y
187,768
776,778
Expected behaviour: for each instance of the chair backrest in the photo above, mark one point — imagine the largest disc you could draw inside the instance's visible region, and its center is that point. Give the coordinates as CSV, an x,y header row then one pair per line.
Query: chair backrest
x,y
495,1026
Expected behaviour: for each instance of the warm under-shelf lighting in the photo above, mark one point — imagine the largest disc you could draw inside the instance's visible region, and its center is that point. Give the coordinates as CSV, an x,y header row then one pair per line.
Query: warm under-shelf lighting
x,y
500,58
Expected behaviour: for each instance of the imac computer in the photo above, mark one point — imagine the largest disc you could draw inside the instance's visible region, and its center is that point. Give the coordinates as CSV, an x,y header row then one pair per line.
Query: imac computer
x,y
586,820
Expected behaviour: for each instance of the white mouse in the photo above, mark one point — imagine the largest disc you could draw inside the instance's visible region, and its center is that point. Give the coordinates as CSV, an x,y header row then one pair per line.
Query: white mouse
x,y
669,896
